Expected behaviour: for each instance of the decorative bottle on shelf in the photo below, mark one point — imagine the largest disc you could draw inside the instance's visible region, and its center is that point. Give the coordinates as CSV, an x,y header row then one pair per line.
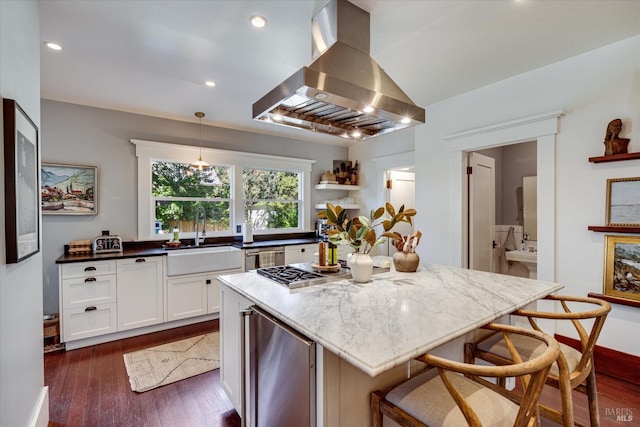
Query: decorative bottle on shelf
x,y
176,234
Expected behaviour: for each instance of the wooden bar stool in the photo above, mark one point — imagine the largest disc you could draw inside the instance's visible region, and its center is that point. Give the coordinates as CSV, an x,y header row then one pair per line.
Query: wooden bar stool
x,y
442,395
573,368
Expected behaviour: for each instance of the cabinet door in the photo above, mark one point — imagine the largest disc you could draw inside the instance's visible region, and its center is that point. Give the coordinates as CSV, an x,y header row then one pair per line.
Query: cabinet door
x,y
81,292
230,353
300,253
87,269
139,294
308,253
186,296
213,295
91,321
291,255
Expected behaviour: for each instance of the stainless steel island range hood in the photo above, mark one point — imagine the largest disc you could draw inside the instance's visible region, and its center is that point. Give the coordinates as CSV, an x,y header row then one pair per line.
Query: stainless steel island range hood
x,y
344,92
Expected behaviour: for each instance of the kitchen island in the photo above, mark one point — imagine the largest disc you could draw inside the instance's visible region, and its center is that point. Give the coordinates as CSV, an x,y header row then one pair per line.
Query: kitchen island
x,y
368,332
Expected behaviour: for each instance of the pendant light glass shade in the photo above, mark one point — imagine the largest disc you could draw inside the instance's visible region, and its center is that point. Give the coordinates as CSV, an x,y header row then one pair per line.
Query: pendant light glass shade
x,y
200,164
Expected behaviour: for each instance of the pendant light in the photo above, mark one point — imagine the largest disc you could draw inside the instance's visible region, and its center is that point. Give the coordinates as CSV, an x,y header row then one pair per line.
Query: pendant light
x,y
200,164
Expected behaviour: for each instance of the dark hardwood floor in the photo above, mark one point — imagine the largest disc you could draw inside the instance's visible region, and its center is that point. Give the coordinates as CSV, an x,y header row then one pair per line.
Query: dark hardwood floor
x,y
90,387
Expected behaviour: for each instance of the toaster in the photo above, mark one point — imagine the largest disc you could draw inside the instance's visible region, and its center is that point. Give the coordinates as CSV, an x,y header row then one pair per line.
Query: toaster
x,y
104,244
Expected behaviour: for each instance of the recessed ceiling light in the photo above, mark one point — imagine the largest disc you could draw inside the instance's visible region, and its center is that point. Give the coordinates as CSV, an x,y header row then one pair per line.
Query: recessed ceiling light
x,y
53,45
405,120
368,109
356,134
258,21
321,95
210,83
277,117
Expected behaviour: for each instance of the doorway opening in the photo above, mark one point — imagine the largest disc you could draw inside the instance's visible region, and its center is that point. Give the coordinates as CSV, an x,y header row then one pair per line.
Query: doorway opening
x,y
498,218
400,190
541,128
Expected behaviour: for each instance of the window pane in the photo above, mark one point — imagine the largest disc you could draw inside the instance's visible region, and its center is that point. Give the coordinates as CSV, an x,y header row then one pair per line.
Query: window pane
x,y
268,215
183,214
179,180
270,184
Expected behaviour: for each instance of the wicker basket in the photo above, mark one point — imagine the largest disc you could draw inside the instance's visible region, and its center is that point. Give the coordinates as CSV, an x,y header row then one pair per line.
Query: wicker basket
x,y
51,328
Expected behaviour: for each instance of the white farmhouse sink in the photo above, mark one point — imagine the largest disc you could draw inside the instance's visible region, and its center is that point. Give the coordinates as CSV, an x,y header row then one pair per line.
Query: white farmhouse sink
x,y
202,260
529,259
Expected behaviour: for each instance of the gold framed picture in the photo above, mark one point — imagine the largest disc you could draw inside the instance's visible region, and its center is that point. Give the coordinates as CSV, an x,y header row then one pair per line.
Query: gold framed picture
x,y
623,202
622,267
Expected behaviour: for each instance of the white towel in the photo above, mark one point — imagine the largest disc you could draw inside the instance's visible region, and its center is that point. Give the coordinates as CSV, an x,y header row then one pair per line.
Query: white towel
x,y
509,244
266,259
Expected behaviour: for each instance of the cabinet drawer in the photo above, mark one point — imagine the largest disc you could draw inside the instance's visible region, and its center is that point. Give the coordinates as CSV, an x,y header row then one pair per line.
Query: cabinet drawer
x,y
89,321
83,292
88,269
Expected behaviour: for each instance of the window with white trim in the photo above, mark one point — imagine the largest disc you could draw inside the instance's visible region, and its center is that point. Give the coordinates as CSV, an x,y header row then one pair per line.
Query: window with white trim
x,y
271,198
179,193
273,192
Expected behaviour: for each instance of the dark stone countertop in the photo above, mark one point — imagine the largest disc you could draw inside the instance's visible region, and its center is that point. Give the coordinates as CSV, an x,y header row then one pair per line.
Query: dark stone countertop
x,y
147,249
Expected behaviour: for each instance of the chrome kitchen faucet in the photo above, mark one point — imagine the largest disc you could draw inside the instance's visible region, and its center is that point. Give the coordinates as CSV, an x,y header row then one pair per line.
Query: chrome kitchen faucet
x,y
204,224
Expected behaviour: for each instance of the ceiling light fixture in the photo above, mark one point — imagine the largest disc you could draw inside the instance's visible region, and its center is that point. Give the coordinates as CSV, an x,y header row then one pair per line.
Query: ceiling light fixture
x,y
200,164
210,83
405,120
258,21
367,109
53,45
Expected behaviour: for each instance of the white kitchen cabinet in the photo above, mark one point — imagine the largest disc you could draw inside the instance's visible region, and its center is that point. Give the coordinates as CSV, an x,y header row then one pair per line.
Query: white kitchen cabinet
x,y
194,294
140,292
300,253
230,344
87,299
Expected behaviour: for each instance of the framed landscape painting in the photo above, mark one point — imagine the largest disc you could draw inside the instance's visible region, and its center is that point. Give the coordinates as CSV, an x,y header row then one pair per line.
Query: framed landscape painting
x,y
623,202
22,213
622,267
68,189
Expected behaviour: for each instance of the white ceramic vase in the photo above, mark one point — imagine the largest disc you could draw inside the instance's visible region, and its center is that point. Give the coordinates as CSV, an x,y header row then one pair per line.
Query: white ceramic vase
x,y
361,267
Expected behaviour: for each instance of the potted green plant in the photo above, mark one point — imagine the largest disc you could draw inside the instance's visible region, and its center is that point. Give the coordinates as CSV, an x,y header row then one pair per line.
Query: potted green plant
x,y
406,259
360,233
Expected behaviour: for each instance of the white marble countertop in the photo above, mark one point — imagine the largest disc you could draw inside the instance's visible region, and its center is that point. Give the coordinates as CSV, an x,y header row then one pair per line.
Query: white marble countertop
x,y
396,316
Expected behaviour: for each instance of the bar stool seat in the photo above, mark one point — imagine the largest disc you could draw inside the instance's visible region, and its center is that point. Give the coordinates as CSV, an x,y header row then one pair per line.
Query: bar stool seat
x,y
453,394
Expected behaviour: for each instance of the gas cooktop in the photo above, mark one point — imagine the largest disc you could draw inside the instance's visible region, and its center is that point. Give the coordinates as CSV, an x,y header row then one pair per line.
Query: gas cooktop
x,y
296,277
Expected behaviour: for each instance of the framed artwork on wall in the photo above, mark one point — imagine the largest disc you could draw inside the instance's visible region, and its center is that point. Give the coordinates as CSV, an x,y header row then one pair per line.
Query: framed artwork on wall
x,y
622,267
22,213
69,189
623,202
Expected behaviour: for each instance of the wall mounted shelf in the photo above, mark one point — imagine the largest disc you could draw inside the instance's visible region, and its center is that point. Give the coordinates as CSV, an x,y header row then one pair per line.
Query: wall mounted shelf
x,y
607,229
615,300
324,206
614,157
337,187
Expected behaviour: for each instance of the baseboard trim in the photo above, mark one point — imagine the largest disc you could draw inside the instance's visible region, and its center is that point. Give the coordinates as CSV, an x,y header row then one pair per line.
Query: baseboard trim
x,y
41,413
609,362
101,339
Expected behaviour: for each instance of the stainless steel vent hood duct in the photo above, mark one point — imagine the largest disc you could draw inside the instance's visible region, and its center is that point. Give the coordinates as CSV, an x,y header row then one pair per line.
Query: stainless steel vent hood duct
x,y
344,92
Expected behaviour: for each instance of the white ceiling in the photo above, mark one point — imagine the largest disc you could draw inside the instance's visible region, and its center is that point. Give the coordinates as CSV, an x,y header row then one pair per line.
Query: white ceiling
x,y
152,57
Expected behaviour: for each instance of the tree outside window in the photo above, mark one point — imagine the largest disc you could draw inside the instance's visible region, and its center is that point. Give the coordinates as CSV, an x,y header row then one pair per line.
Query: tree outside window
x,y
177,191
271,198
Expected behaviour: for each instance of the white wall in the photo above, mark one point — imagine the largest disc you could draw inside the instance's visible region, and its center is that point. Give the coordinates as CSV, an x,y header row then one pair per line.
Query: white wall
x,y
591,89
23,397
99,137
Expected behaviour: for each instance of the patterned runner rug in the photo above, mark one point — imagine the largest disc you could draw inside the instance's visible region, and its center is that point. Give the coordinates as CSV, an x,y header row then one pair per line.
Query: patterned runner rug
x,y
168,363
